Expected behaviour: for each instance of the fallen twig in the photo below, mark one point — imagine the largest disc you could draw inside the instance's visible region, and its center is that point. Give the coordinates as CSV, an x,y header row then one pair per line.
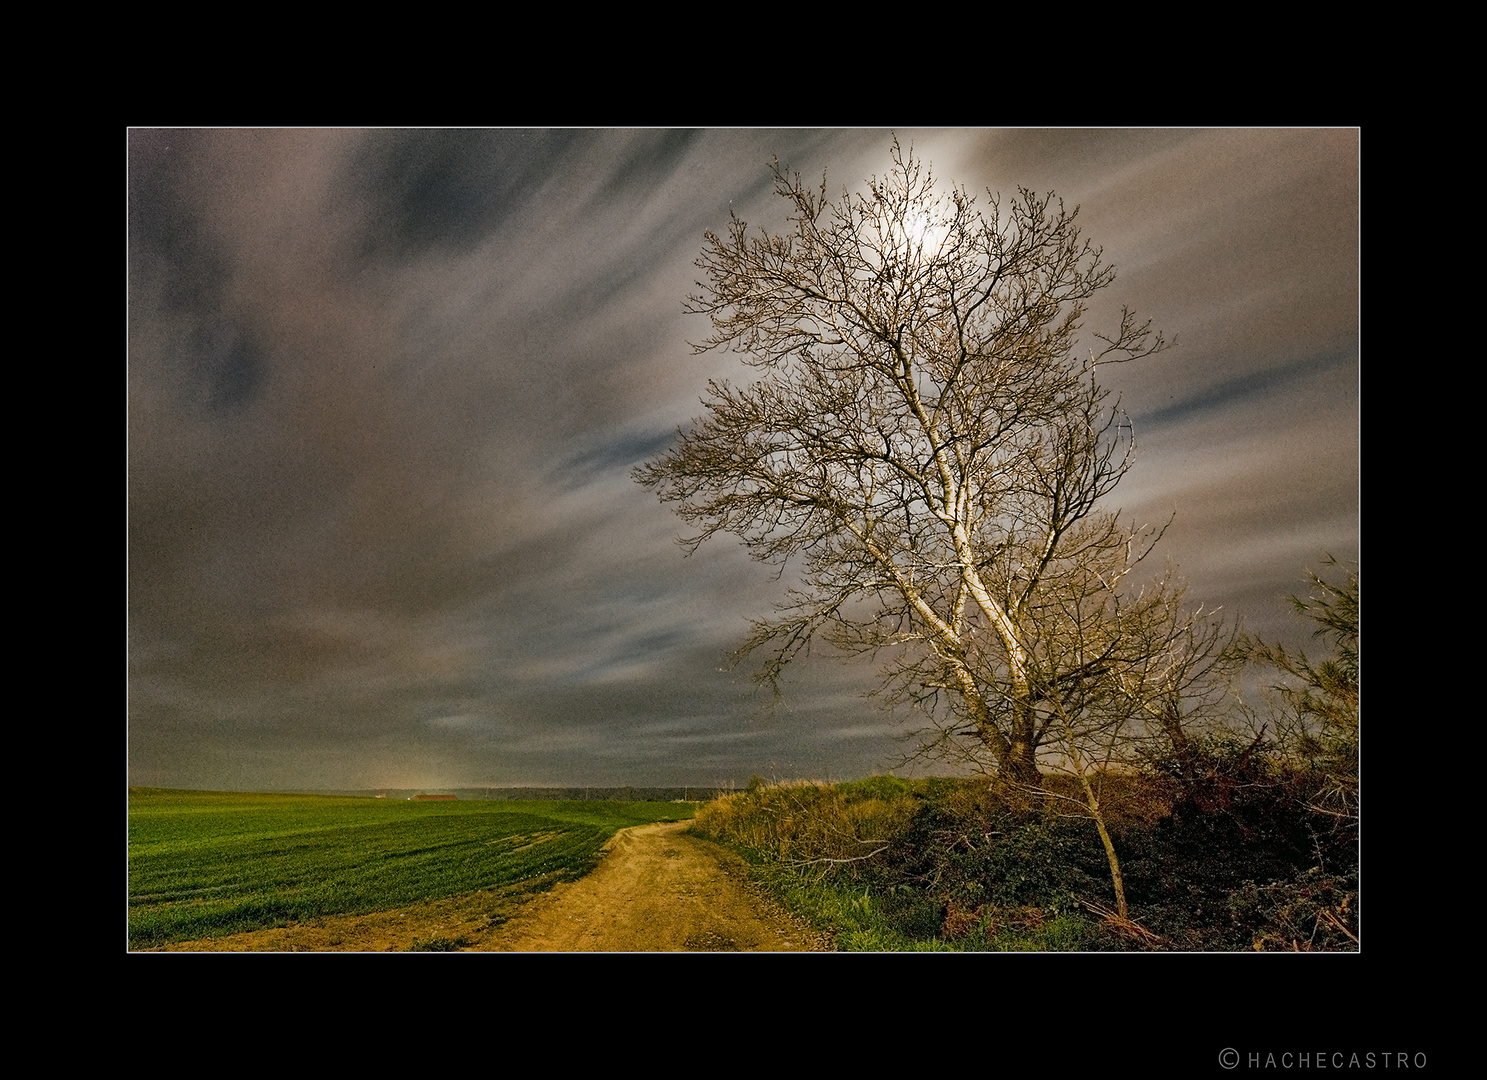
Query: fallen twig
x,y
1337,923
1128,927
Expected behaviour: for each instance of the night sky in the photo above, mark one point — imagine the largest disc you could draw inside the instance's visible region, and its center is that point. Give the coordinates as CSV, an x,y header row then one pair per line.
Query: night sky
x,y
386,387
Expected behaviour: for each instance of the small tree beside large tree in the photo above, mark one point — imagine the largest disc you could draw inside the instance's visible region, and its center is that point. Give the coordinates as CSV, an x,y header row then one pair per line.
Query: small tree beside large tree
x,y
932,443
1319,719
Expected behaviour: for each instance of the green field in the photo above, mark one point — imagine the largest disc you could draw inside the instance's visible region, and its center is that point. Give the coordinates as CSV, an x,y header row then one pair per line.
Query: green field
x,y
204,864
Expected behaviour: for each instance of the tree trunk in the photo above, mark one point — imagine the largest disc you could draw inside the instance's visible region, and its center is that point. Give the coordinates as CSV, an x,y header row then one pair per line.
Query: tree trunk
x,y
1021,763
1172,726
1022,760
1016,757
1115,877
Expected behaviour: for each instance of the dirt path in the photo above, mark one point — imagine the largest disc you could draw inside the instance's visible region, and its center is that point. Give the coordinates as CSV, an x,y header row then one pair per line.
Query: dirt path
x,y
656,890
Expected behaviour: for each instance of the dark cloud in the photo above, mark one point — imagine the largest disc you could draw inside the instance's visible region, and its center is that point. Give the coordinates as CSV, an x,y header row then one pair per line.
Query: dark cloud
x,y
386,389
450,189
1230,395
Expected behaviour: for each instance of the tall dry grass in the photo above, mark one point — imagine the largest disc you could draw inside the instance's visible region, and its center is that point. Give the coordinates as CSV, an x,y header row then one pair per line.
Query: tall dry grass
x,y
806,824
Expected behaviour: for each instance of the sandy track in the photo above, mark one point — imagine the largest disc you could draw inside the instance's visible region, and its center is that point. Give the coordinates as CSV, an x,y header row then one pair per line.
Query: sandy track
x,y
657,890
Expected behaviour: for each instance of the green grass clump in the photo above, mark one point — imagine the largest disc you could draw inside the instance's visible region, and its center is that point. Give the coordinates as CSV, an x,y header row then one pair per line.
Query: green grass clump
x,y
439,944
204,864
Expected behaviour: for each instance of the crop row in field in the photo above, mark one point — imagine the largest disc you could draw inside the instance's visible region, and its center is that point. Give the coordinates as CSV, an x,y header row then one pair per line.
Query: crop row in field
x,y
203,864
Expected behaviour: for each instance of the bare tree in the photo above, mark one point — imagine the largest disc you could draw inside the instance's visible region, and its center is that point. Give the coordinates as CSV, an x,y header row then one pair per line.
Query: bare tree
x,y
928,438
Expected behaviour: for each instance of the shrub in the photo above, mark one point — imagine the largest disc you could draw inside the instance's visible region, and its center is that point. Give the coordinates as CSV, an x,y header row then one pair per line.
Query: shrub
x,y
1310,911
1244,858
986,851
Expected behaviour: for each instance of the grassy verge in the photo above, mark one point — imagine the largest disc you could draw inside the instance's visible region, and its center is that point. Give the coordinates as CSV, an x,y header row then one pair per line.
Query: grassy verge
x,y
207,864
961,865
842,857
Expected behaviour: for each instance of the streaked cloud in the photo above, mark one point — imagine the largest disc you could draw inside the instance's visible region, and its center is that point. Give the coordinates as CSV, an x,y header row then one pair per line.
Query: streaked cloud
x,y
386,387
